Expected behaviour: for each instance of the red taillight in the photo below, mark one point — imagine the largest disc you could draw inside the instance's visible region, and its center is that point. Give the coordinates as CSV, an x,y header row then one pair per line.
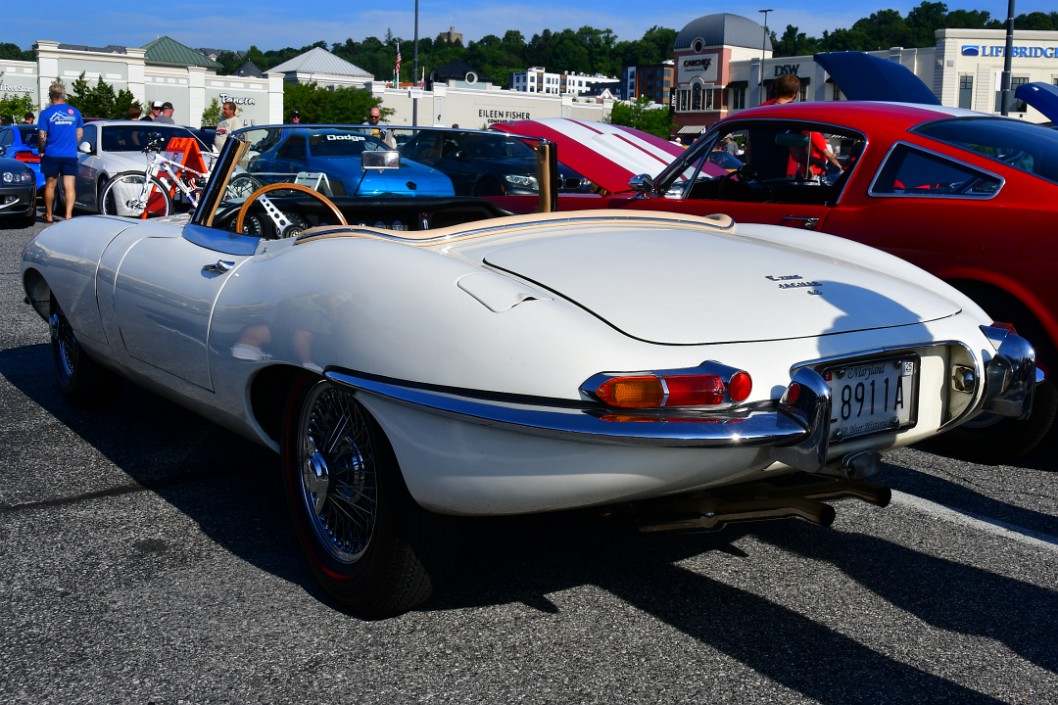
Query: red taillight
x,y
28,158
695,390
740,386
666,391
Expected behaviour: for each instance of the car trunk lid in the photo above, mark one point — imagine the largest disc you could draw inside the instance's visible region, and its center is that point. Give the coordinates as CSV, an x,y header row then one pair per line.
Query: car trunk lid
x,y
687,287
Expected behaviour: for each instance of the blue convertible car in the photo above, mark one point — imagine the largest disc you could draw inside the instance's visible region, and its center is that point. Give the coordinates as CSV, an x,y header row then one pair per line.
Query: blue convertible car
x,y
331,160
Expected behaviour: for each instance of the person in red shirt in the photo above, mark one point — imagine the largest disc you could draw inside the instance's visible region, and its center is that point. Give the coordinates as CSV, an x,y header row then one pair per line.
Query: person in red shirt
x,y
813,160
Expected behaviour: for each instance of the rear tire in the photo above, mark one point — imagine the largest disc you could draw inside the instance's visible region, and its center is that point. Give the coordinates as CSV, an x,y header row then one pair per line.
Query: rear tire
x,y
366,540
124,195
997,440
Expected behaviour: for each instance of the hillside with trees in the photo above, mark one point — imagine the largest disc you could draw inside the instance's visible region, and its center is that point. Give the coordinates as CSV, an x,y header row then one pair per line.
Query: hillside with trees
x,y
591,51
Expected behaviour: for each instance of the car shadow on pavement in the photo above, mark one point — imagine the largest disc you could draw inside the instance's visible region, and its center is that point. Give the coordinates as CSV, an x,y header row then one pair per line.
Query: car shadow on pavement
x,y
228,485
945,594
524,560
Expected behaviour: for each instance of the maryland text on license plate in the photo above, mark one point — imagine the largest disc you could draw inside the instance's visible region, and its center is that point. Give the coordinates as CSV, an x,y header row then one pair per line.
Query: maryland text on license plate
x,y
870,397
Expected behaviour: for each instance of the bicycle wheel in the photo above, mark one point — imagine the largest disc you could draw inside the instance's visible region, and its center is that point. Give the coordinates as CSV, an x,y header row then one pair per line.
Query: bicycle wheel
x,y
134,196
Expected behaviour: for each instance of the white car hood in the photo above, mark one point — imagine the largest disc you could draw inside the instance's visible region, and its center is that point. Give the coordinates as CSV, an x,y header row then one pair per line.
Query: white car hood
x,y
688,287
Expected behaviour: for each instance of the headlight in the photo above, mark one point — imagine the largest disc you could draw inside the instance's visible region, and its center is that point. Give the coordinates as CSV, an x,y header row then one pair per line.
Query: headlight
x,y
521,182
17,177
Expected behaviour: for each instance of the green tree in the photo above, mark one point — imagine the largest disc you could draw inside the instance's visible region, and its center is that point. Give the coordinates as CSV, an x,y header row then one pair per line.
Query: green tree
x,y
638,114
99,101
340,106
968,19
1037,20
12,52
794,43
211,115
14,107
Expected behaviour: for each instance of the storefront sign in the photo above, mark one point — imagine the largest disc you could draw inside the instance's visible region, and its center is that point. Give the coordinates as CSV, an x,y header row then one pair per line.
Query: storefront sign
x,y
6,87
698,66
1016,52
225,98
492,116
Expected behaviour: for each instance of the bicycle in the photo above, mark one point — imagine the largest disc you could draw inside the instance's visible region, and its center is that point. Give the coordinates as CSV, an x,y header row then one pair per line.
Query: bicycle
x,y
152,192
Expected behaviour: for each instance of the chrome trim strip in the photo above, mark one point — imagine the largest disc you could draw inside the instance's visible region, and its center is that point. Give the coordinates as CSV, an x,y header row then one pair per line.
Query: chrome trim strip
x,y
784,425
609,218
940,155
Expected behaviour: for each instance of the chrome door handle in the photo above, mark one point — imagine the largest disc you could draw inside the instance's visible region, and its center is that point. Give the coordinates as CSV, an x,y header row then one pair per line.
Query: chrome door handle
x,y
808,222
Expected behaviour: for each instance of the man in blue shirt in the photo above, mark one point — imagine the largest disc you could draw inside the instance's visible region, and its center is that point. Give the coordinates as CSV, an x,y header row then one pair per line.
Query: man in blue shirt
x,y
60,128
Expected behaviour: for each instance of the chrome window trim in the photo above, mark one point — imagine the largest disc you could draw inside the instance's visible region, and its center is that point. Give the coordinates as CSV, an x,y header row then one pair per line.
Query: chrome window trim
x,y
940,155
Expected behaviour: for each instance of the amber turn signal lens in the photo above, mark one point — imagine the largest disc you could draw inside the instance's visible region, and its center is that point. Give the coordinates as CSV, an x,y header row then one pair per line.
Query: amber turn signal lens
x,y
642,392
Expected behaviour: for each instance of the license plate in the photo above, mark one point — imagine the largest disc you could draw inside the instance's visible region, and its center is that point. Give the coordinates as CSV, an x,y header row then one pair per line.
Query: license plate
x,y
871,397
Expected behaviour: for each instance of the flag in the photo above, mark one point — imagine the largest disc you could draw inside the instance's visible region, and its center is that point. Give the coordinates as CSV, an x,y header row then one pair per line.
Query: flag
x,y
396,66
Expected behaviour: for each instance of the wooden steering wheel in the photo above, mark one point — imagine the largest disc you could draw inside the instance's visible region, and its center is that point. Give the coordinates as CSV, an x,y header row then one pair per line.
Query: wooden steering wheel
x,y
281,221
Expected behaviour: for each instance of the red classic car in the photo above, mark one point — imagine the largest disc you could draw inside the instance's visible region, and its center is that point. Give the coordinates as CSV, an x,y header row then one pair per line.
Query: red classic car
x,y
967,196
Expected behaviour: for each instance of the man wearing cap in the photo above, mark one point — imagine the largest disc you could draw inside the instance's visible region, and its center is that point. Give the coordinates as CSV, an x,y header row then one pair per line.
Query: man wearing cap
x,y
295,116
155,111
167,114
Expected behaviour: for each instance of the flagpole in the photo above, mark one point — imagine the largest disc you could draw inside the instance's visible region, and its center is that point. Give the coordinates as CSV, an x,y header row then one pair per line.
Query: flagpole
x,y
415,70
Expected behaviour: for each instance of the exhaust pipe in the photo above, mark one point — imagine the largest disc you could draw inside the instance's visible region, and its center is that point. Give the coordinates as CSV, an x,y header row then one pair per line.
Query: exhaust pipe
x,y
758,502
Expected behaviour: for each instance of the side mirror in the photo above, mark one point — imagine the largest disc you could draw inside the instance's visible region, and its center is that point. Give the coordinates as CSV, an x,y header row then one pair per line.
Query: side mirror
x,y
642,183
389,159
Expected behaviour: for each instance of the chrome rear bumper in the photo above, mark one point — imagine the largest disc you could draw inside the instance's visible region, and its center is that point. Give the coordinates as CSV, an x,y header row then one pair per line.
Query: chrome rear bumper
x,y
797,428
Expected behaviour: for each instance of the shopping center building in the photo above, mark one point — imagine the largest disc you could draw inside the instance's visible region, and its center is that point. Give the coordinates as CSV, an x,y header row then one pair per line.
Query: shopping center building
x,y
724,63
168,71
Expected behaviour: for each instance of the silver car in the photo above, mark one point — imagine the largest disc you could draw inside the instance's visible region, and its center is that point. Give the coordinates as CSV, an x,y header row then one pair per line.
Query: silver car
x,y
112,147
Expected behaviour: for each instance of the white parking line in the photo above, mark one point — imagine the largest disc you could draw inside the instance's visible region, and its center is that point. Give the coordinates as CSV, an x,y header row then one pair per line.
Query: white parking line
x,y
980,523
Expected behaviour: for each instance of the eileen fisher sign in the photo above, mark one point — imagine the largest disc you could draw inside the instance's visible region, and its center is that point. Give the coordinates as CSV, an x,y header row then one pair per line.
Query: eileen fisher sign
x,y
502,115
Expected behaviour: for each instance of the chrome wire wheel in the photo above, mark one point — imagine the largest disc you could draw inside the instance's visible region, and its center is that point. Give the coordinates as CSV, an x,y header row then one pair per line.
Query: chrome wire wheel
x,y
81,379
65,346
339,478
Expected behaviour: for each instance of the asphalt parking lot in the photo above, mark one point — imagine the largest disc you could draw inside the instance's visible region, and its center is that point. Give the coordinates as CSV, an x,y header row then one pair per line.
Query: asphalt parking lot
x,y
146,557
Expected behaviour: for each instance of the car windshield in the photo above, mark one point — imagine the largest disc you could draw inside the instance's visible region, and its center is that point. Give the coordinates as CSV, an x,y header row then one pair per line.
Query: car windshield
x,y
399,178
1024,146
769,160
28,134
134,137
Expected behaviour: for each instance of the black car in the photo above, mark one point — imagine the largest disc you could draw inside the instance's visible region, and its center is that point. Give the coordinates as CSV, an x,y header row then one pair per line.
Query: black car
x,y
510,162
18,191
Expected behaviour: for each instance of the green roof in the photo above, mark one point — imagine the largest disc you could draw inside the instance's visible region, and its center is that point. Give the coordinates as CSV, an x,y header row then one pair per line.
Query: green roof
x,y
166,51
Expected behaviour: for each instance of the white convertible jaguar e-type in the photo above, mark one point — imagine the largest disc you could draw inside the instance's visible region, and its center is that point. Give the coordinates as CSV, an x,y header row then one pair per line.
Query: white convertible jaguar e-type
x,y
413,355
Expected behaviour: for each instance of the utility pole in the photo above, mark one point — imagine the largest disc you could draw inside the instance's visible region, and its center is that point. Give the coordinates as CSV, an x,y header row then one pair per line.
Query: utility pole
x,y
763,47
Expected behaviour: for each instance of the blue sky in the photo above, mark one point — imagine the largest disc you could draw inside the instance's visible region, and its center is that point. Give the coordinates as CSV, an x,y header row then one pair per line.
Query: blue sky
x,y
275,24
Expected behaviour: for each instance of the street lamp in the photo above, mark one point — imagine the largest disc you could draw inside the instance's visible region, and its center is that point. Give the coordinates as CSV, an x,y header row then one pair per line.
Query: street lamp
x,y
763,47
